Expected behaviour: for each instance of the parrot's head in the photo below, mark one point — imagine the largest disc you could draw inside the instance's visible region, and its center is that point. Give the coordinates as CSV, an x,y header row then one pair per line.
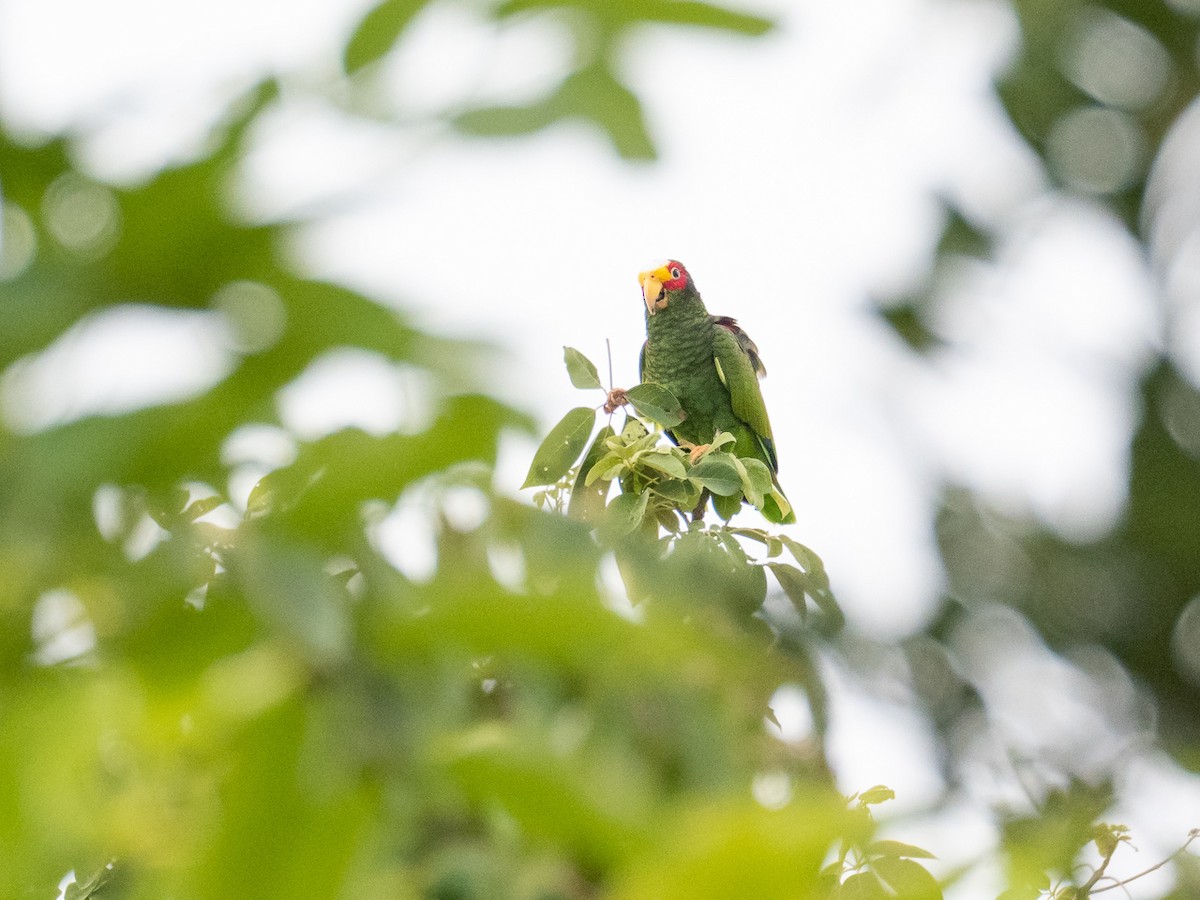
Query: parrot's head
x,y
661,285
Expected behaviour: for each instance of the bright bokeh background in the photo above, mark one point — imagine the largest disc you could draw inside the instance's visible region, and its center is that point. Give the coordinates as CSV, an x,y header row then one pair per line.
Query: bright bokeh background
x,y
799,181
802,179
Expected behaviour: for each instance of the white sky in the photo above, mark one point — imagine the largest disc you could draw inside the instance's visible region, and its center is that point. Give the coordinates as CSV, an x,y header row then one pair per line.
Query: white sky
x,y
796,181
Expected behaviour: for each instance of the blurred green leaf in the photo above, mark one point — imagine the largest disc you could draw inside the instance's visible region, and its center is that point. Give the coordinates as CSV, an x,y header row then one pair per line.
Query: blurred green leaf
x,y
592,93
907,879
794,583
1051,839
91,885
897,849
674,12
598,816
862,886
378,31
716,852
588,496
881,793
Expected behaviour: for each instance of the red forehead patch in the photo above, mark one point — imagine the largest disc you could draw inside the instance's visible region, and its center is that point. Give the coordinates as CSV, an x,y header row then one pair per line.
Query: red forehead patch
x,y
676,281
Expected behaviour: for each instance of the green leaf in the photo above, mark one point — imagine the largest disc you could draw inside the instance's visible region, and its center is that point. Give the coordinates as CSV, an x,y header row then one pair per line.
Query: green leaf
x,y
794,584
808,560
748,582
656,403
759,476
606,468
907,879
623,515
709,15
718,475
561,448
898,849
721,440
587,501
1022,892
683,494
91,886
671,12
665,462
201,507
755,497
817,582
581,370
862,886
875,795
773,544
378,31
595,93
633,432
727,507
592,93
828,605
507,121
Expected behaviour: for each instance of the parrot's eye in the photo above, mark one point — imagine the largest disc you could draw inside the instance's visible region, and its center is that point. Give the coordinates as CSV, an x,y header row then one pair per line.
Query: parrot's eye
x,y
674,271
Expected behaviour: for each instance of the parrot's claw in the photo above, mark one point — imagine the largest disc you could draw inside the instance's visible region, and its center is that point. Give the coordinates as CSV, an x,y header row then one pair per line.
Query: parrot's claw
x,y
616,399
695,452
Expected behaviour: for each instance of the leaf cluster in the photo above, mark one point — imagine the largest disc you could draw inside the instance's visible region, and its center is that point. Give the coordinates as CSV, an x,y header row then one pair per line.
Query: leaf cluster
x,y
661,495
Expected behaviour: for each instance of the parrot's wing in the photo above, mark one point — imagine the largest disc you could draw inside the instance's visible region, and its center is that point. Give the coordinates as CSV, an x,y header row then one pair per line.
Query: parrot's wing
x,y
730,324
642,362
737,372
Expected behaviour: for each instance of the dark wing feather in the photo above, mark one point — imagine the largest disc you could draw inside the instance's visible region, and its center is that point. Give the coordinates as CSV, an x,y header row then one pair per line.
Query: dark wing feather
x,y
748,346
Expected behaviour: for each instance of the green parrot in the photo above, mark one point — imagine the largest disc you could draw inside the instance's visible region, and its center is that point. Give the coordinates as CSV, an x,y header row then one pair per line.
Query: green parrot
x,y
712,367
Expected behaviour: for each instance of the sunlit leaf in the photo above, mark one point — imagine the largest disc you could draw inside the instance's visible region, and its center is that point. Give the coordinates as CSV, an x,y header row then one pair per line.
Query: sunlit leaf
x,y
881,793
907,878
897,848
201,507
561,448
90,886
862,886
717,852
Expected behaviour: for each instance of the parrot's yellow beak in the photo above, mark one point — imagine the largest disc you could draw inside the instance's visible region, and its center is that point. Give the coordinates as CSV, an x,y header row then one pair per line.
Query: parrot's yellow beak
x,y
652,288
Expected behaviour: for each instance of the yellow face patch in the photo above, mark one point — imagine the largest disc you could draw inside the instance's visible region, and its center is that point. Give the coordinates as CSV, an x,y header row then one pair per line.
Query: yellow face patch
x,y
652,288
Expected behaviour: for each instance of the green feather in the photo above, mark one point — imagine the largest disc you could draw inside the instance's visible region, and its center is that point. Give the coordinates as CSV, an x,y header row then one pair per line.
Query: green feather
x,y
712,367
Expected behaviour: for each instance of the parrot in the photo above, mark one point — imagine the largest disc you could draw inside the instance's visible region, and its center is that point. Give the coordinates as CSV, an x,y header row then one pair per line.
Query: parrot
x,y
712,367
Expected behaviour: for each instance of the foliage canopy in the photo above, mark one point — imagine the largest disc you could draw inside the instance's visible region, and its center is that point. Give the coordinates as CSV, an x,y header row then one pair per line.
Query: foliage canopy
x,y
237,695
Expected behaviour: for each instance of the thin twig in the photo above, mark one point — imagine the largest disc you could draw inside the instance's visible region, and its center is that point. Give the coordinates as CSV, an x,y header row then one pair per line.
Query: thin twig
x,y
1192,835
